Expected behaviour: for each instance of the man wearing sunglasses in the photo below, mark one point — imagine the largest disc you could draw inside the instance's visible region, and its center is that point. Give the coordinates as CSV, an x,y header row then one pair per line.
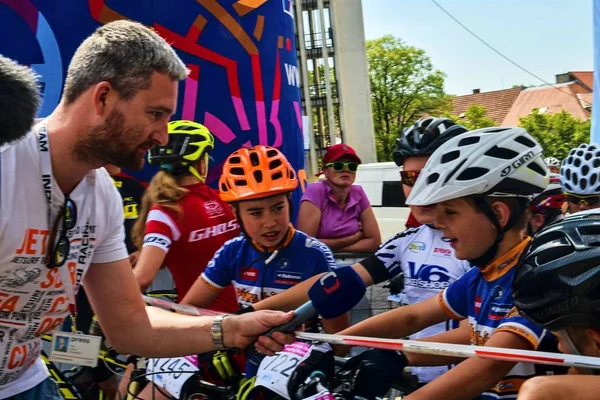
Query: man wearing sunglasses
x,y
61,217
580,177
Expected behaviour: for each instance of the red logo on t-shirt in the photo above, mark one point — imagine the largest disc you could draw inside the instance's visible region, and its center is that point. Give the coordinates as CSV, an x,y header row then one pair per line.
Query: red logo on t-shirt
x,y
442,251
477,304
249,274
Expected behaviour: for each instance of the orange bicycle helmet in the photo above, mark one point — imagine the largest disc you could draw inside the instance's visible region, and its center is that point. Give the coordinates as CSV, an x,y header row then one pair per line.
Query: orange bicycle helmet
x,y
255,173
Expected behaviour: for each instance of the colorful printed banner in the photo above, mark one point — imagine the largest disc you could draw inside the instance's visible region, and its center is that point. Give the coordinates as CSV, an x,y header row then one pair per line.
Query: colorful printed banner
x,y
244,81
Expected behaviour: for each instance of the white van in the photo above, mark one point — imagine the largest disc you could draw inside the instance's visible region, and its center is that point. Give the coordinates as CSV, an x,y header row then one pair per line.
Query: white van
x,y
381,183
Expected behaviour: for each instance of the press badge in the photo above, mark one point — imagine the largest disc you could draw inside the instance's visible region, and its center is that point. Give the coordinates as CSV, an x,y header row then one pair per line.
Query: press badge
x,y
75,348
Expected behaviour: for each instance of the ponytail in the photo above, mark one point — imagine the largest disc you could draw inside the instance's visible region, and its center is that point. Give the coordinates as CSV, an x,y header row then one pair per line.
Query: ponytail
x,y
164,190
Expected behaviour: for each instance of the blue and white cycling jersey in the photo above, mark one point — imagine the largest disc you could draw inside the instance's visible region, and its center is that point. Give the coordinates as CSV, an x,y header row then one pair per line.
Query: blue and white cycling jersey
x,y
428,265
256,274
484,297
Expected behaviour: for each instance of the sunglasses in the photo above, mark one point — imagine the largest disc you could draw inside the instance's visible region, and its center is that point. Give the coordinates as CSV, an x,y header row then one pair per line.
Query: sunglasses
x,y
60,250
339,166
409,178
589,200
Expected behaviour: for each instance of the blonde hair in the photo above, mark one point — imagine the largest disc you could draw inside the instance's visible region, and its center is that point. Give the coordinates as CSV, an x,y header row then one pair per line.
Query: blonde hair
x,y
164,190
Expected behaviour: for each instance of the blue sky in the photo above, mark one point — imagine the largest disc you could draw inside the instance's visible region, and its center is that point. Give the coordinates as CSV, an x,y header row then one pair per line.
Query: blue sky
x,y
547,37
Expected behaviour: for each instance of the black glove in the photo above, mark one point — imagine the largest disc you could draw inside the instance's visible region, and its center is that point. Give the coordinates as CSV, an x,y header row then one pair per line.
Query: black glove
x,y
374,371
317,361
396,284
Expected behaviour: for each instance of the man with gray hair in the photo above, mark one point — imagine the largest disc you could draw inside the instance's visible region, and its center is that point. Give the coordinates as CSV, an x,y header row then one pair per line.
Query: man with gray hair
x,y
61,218
19,100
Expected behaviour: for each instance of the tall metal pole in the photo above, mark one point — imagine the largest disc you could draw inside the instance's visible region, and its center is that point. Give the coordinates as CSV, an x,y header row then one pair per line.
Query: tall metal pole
x,y
312,153
329,98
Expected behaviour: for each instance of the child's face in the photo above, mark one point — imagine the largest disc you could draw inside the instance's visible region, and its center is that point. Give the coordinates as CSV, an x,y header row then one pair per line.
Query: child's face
x,y
266,220
423,214
470,232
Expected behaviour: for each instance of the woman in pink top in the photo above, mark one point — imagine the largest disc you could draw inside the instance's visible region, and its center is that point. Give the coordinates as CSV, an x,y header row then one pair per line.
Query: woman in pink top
x,y
337,212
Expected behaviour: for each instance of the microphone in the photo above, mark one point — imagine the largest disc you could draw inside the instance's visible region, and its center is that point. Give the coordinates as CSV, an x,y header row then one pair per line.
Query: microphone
x,y
334,294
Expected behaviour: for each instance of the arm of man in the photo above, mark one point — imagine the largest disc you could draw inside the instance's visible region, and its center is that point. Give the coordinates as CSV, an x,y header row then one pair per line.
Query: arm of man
x,y
480,374
564,387
147,331
371,237
297,295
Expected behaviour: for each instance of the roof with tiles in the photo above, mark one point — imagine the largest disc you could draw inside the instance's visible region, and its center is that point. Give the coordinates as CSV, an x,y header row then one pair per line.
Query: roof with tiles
x,y
498,103
549,99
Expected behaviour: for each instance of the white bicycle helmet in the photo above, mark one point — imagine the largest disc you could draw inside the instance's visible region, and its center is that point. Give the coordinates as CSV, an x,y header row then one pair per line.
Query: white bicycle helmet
x,y
552,161
580,171
501,161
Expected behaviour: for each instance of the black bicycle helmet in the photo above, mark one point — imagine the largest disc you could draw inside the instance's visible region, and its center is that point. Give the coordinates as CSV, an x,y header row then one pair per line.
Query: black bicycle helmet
x,y
424,137
557,280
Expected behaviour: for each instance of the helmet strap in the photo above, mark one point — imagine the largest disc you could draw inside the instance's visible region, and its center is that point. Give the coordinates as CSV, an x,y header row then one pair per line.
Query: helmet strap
x,y
573,349
483,205
194,171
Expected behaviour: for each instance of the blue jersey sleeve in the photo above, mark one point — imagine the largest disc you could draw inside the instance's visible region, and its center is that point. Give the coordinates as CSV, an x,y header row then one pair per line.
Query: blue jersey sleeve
x,y
324,259
454,300
519,325
220,270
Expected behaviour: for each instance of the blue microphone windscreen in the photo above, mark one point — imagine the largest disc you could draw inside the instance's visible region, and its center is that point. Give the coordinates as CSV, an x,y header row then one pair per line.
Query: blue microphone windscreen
x,y
337,292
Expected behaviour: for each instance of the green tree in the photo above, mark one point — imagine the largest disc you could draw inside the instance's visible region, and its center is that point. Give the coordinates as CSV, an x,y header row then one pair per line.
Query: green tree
x,y
557,133
404,87
475,117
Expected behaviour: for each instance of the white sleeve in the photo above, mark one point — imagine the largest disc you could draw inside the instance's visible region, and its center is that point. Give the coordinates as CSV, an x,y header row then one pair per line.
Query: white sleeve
x,y
109,206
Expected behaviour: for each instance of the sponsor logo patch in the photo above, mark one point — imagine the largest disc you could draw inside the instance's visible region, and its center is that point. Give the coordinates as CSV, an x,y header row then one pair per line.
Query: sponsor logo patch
x,y
417,247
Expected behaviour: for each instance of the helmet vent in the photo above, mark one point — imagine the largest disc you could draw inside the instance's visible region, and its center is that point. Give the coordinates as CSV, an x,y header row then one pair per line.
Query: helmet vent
x,y
597,161
451,174
525,141
254,159
496,130
237,171
472,173
274,164
277,175
451,156
234,160
502,153
433,178
469,141
241,182
560,248
536,168
272,153
583,183
590,235
258,176
593,179
585,169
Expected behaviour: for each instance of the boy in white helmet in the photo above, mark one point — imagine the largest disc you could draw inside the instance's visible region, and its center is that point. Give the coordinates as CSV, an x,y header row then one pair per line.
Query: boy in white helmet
x,y
480,181
580,177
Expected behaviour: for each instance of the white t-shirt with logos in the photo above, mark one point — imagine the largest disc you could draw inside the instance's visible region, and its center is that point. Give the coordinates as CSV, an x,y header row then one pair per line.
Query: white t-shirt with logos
x,y
33,299
428,265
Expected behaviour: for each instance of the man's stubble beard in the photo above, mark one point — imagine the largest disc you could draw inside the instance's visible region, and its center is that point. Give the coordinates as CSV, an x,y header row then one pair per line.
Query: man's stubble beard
x,y
111,143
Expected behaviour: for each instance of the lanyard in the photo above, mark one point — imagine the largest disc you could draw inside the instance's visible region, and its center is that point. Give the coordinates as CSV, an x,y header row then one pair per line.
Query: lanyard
x,y
46,174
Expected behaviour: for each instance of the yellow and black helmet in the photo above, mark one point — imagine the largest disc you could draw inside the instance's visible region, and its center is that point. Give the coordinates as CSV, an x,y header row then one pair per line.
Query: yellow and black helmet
x,y
188,141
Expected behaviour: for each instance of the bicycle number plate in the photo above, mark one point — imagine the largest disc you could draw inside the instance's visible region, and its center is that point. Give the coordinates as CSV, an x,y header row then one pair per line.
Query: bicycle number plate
x,y
171,373
275,372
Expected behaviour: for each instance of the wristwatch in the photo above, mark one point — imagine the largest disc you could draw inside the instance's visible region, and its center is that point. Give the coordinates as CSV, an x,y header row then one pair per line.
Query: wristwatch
x,y
216,332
